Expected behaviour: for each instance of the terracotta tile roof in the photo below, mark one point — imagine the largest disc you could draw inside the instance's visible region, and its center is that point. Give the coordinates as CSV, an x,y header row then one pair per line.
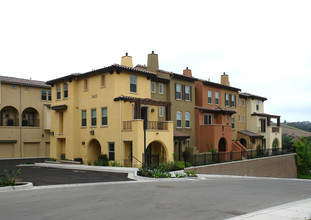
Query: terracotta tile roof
x,y
218,85
180,135
248,95
141,100
110,69
264,115
251,134
59,107
23,82
216,110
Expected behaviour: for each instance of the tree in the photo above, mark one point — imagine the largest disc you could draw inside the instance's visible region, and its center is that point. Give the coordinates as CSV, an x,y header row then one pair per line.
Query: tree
x,y
287,141
303,155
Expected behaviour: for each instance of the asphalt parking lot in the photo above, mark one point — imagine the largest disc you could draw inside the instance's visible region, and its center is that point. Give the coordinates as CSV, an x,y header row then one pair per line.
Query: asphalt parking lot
x,y
41,176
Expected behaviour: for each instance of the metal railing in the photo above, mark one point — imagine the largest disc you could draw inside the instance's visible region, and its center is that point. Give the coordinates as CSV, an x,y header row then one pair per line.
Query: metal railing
x,y
219,157
275,129
9,122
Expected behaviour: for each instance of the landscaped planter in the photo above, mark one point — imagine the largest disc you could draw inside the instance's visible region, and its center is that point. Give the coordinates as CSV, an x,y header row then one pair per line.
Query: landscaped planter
x,y
69,162
19,186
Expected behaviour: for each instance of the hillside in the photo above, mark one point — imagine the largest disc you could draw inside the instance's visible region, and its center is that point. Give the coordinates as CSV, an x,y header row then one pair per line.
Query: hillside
x,y
294,131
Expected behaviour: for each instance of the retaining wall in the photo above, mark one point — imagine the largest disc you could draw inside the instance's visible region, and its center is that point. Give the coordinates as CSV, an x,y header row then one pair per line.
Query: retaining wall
x,y
283,166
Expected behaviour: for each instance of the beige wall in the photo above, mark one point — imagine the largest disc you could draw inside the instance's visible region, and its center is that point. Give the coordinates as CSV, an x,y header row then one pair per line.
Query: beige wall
x,y
77,141
25,138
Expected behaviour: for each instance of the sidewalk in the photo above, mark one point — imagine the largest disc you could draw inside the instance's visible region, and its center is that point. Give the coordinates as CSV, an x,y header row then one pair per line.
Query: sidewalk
x,y
295,210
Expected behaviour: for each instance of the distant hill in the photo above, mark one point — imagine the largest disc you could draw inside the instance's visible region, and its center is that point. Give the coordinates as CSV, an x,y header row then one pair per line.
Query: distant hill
x,y
289,130
303,125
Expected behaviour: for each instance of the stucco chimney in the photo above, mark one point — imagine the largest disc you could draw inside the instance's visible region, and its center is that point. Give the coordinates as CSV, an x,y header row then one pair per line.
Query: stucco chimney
x,y
153,62
224,80
187,72
127,60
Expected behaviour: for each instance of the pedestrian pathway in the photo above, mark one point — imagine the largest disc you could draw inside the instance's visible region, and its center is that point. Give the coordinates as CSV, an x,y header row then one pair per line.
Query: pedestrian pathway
x,y
295,210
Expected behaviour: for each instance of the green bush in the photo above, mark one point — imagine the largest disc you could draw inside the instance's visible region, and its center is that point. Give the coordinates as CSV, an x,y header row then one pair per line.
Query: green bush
x,y
115,164
9,178
27,162
303,155
102,160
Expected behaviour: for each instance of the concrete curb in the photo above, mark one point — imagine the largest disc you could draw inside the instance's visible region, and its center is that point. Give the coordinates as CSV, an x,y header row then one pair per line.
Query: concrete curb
x,y
25,186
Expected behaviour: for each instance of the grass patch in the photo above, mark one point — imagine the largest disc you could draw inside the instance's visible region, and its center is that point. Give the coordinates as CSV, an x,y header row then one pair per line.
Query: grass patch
x,y
27,162
304,176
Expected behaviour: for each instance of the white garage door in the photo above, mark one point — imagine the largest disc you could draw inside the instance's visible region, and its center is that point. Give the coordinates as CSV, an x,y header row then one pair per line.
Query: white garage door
x,y
6,150
31,149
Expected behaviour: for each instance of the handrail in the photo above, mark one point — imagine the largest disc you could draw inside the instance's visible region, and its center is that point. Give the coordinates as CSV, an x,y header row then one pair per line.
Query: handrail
x,y
136,159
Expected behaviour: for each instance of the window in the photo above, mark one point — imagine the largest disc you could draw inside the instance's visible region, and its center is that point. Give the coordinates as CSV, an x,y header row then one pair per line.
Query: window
x,y
160,111
49,95
217,98
133,83
233,125
263,125
239,118
207,119
227,99
209,93
177,91
187,93
85,85
104,117
257,105
102,81
242,102
83,118
243,118
178,119
93,117
153,87
160,88
43,94
58,91
233,101
65,90
187,120
111,151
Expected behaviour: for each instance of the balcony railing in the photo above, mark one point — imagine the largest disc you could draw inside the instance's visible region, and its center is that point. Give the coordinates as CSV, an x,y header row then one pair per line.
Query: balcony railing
x,y
157,125
9,122
275,129
31,123
151,125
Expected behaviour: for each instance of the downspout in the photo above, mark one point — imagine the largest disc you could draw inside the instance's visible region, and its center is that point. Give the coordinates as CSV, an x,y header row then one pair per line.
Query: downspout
x,y
20,124
120,131
78,107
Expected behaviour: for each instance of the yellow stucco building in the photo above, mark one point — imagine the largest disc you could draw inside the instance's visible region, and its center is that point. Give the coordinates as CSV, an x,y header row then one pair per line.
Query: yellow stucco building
x,y
24,118
103,112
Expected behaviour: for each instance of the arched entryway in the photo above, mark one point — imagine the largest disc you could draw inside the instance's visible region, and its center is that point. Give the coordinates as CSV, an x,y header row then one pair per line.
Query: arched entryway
x,y
9,116
93,150
222,145
275,143
243,142
156,153
30,117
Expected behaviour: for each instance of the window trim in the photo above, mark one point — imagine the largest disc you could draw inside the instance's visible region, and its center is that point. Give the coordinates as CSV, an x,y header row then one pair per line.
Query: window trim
x,y
187,113
209,97
103,76
85,84
226,99
109,151
65,90
233,122
178,92
58,92
188,93
161,85
217,98
209,119
178,113
46,97
92,110
49,95
82,118
161,115
153,87
133,84
102,117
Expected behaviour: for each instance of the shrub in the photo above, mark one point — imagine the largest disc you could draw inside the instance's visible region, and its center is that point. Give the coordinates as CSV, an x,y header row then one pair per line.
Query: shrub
x,y
115,164
9,178
303,155
186,155
27,162
102,160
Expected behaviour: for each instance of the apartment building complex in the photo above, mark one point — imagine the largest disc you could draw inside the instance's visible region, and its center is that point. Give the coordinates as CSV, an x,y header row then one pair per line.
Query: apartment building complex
x,y
110,111
24,118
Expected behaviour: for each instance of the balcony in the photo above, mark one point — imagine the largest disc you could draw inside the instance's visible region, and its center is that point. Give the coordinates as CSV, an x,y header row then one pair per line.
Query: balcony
x,y
151,125
275,129
269,129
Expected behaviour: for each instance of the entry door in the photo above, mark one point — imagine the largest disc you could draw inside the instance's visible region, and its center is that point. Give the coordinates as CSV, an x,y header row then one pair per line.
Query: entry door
x,y
144,113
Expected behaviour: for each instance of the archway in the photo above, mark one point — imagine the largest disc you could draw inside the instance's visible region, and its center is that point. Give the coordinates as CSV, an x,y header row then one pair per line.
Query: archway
x,y
30,117
243,142
275,143
156,153
9,116
93,150
222,145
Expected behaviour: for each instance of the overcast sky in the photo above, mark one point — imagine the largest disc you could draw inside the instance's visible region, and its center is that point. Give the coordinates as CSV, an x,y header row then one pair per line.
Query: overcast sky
x,y
264,46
